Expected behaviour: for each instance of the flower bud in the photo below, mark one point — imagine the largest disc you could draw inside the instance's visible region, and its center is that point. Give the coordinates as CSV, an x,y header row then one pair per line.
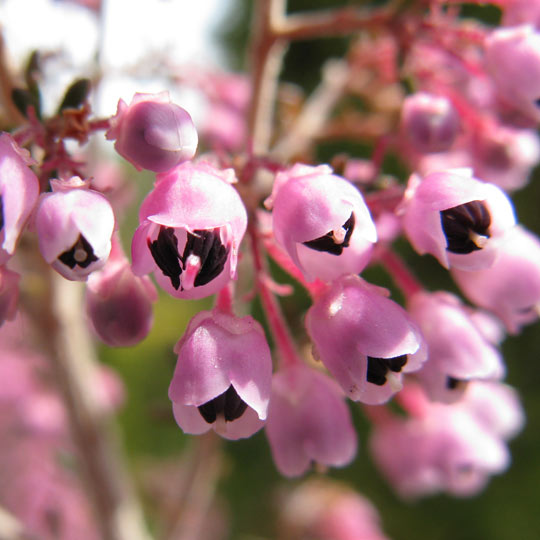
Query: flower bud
x,y
223,376
456,218
153,133
429,123
74,226
191,226
19,190
322,222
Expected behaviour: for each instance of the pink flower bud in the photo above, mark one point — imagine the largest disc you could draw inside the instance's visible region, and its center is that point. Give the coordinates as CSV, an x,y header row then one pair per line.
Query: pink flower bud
x,y
456,218
223,376
191,226
364,339
429,123
9,294
74,227
119,304
457,349
19,190
511,287
153,133
308,420
322,222
513,58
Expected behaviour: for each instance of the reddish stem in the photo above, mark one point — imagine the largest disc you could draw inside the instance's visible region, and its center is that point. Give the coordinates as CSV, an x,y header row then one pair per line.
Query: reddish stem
x,y
398,270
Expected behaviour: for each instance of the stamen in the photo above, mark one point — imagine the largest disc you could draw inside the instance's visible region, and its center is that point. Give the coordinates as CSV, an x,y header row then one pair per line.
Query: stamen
x,y
334,242
466,227
1,213
228,406
80,254
164,250
379,370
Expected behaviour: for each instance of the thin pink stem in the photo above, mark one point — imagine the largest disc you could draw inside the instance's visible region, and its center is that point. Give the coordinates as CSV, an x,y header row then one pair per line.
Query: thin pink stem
x,y
225,297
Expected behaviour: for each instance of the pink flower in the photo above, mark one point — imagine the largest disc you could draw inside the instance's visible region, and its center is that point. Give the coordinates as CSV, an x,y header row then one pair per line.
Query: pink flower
x,y
513,58
511,287
118,303
19,190
322,222
457,349
74,226
456,218
9,294
518,12
364,339
429,123
223,376
446,448
191,226
308,420
153,133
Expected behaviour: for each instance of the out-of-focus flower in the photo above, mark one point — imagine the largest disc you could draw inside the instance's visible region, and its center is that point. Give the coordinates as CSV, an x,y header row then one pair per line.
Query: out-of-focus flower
x,y
457,350
456,218
364,339
513,58
322,508
191,226
516,12
19,190
153,133
429,123
308,420
74,226
223,376
322,222
445,448
511,287
118,303
9,294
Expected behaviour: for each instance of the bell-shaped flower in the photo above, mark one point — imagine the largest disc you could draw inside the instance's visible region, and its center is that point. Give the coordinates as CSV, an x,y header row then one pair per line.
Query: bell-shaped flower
x,y
364,339
191,226
74,226
322,221
446,448
458,352
153,133
9,294
223,376
513,59
118,303
511,287
429,123
19,190
456,218
308,420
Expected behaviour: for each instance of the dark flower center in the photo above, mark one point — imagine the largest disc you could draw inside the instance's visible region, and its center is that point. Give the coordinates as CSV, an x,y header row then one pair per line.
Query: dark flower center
x,y
377,368
328,242
465,226
80,254
205,244
1,213
229,404
453,384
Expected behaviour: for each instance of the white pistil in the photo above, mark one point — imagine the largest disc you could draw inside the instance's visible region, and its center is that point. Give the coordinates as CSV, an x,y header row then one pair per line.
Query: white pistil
x,y
80,255
479,240
338,235
394,380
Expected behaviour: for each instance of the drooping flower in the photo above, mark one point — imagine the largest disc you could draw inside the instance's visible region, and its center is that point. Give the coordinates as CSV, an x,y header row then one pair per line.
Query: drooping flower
x,y
364,339
458,352
19,190
74,226
511,287
191,226
322,221
429,123
223,376
153,133
308,421
456,218
445,448
118,303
